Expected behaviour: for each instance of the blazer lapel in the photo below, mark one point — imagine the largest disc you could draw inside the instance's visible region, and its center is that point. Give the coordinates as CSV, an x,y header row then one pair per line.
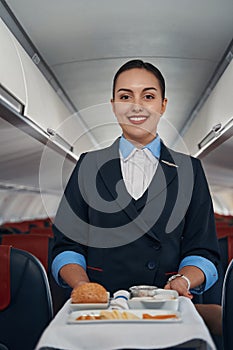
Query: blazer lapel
x,y
166,172
108,163
168,163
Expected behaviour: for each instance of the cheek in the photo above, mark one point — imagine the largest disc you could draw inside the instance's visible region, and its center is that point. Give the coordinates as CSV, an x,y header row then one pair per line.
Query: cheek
x,y
156,119
155,111
155,107
121,109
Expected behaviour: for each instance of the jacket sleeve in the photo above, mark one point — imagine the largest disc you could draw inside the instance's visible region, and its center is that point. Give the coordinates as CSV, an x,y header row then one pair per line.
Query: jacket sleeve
x,y
200,236
70,225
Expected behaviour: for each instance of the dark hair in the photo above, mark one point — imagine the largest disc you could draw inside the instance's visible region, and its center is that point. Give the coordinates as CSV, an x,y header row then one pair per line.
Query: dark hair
x,y
143,65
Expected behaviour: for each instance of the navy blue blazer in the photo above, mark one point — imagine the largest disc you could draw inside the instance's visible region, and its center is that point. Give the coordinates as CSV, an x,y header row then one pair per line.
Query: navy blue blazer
x,y
129,242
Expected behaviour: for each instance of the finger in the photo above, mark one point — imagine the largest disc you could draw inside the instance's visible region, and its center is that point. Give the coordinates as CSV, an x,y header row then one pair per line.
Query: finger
x,y
167,286
187,294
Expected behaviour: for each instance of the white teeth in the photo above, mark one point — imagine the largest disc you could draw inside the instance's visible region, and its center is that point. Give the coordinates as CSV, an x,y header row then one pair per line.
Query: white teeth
x,y
137,118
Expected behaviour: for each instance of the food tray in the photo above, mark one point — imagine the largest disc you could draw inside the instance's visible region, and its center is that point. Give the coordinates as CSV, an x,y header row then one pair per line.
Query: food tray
x,y
175,317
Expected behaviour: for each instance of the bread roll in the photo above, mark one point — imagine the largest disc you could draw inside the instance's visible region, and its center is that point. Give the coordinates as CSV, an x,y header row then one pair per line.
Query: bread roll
x,y
89,293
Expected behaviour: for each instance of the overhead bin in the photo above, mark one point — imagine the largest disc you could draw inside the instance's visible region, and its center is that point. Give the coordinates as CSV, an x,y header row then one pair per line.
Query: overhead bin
x,y
11,73
43,105
29,168
21,78
215,113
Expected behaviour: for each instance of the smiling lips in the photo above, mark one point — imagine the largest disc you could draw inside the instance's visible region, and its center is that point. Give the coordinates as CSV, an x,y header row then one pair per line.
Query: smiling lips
x,y
137,119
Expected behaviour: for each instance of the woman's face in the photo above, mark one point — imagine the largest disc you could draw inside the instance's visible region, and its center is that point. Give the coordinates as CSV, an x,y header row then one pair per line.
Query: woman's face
x,y
138,105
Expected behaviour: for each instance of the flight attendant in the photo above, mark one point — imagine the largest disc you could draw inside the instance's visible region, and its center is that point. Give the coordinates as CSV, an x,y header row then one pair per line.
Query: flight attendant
x,y
137,212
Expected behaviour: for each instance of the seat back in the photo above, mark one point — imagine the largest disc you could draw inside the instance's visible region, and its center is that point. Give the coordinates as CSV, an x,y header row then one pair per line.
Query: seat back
x,y
36,244
227,307
28,309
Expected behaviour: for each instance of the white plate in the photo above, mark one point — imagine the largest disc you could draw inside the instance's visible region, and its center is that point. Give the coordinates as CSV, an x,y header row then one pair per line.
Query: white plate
x,y
163,299
72,318
82,306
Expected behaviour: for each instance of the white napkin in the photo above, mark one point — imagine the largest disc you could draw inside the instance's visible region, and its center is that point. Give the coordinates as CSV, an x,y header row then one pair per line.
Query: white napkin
x,y
120,300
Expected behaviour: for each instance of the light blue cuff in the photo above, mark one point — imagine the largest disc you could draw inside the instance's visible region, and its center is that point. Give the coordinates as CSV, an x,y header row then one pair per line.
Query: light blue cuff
x,y
64,258
207,267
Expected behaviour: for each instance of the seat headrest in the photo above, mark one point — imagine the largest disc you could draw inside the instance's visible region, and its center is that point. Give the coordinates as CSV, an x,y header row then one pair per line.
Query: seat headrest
x,y
5,291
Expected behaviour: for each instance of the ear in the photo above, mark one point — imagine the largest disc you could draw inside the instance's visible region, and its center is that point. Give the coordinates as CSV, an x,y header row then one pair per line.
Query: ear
x,y
113,105
164,106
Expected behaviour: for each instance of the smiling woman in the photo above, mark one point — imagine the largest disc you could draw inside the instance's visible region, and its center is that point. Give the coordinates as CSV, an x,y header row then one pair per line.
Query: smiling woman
x,y
137,212
123,219
138,104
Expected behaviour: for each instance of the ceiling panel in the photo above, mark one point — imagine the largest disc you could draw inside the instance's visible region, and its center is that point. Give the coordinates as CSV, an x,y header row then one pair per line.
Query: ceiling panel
x,y
85,41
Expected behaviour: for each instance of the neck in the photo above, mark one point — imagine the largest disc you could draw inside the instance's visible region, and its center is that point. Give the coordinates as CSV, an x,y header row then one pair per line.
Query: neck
x,y
138,143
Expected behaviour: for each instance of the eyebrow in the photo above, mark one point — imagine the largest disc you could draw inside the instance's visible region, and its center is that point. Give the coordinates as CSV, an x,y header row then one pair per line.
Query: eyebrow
x,y
145,89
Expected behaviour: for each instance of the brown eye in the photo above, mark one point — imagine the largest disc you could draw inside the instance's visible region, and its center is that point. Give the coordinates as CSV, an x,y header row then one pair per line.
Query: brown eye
x,y
149,97
124,97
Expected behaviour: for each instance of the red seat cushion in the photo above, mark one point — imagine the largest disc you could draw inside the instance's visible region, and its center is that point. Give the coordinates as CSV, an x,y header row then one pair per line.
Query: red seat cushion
x,y
5,294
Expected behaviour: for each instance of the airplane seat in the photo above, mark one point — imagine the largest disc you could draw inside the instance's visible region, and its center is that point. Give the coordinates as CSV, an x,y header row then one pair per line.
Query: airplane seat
x,y
45,231
26,225
39,242
3,347
36,244
39,230
25,299
227,307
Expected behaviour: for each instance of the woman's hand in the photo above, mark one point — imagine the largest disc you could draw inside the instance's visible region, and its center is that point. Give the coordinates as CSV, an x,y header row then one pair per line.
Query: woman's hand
x,y
74,275
181,286
191,274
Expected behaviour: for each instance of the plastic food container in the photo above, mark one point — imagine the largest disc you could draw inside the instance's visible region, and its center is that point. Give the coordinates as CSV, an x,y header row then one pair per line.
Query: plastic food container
x,y
162,299
143,291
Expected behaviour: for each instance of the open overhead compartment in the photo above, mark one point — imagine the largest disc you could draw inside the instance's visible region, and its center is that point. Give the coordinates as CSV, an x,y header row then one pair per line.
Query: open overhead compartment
x,y
210,138
214,115
42,107
11,74
36,152
216,156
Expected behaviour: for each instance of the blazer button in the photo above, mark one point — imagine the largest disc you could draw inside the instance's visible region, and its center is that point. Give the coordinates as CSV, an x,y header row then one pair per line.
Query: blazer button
x,y
151,265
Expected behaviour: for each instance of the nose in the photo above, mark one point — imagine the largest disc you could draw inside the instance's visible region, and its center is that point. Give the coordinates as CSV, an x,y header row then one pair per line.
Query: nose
x,y
137,107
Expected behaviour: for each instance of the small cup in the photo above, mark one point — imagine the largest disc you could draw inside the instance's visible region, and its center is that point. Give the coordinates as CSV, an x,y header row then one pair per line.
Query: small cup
x,y
143,291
